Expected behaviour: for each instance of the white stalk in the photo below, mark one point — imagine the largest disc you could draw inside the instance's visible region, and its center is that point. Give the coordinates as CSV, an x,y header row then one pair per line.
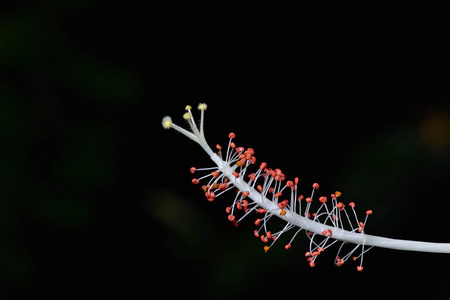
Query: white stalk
x,y
292,217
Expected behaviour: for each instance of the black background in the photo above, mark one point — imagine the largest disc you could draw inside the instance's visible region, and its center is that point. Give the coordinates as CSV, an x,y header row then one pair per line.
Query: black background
x,y
96,197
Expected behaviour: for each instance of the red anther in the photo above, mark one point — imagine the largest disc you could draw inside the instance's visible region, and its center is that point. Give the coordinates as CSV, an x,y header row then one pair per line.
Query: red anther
x,y
222,186
282,212
218,147
251,151
300,198
324,232
258,222
269,235
228,209
369,212
315,253
280,205
333,196
252,177
245,203
215,174
232,145
315,185
240,149
260,188
308,254
361,224
262,210
235,223
354,258
245,194
278,195
195,181
231,218
255,232
238,205
314,215
193,170
320,249
264,239
309,215
360,229
340,205
359,268
312,264
296,180
286,202
253,160
236,174
308,199
330,232
263,166
351,204
231,135
323,199
289,183
288,246
271,190
310,259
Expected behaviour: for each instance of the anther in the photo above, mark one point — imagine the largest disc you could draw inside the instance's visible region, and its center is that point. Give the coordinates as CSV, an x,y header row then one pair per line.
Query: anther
x,y
315,185
359,268
195,181
266,248
323,199
193,170
369,212
231,135
288,246
236,174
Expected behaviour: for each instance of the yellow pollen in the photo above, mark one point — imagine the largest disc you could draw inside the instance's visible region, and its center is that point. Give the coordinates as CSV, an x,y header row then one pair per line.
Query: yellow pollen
x,y
202,106
266,248
187,116
188,107
338,194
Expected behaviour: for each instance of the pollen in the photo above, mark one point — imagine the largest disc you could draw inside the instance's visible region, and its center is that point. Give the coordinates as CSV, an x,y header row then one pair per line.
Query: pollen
x,y
167,122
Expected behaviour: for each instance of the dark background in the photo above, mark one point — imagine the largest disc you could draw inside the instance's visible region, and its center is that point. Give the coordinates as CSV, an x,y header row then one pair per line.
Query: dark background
x,y
95,197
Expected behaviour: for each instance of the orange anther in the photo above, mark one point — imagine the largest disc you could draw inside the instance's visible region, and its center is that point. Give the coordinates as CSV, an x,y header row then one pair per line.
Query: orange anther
x,y
218,147
260,188
236,174
315,185
359,268
289,183
338,194
323,199
215,174
262,210
245,194
193,170
282,212
231,218
369,212
266,248
263,166
308,199
278,195
352,204
195,181
231,135
288,246
257,222
232,145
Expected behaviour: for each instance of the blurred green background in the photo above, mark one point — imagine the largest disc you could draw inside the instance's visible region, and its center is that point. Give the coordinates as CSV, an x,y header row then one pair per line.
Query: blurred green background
x,y
95,197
